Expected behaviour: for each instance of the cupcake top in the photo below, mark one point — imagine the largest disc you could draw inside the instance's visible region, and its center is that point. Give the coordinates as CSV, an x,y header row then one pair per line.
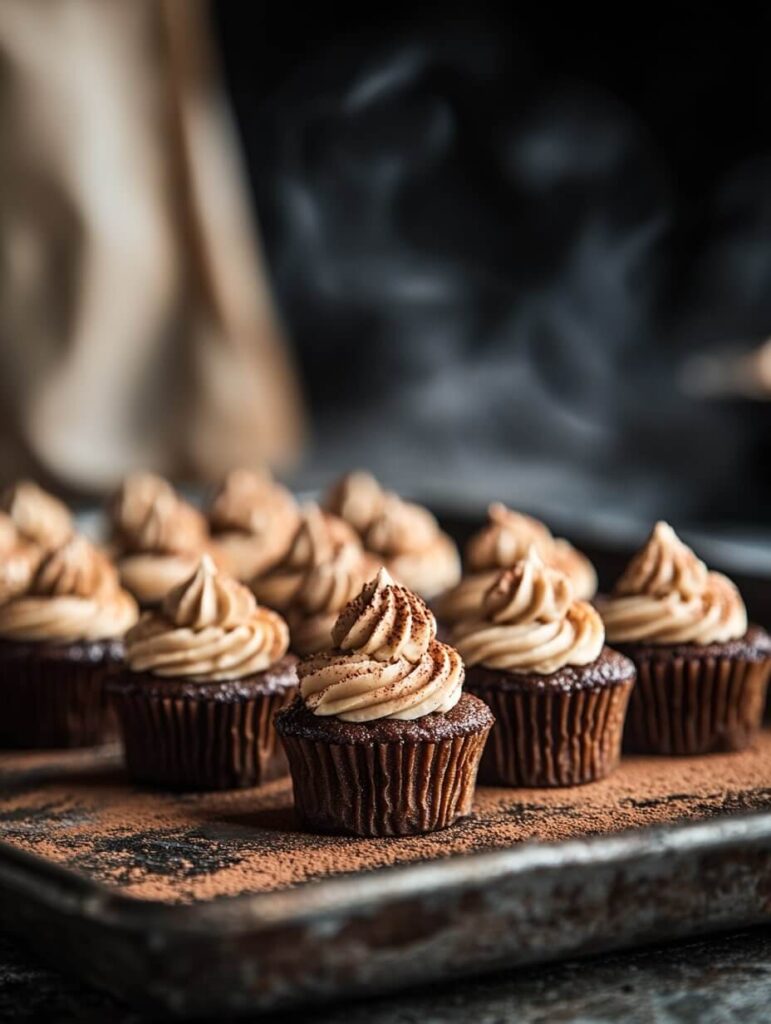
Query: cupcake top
x,y
666,595
504,540
18,560
208,629
158,537
530,621
386,661
317,540
73,596
253,519
323,592
404,536
38,516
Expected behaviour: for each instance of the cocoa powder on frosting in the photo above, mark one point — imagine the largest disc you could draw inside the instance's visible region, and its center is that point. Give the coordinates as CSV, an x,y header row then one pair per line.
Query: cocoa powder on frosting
x,y
76,808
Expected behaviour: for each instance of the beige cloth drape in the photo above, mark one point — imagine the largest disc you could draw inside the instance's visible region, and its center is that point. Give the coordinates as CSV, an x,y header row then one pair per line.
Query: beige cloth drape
x,y
136,327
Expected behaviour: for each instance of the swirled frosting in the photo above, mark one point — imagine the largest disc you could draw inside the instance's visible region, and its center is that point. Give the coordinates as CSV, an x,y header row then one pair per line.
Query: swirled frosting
x,y
209,628
500,544
38,516
253,520
666,595
318,538
530,621
357,498
18,560
74,596
387,662
323,593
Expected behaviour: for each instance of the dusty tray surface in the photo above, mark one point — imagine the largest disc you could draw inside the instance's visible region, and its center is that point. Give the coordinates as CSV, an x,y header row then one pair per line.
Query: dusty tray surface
x,y
78,810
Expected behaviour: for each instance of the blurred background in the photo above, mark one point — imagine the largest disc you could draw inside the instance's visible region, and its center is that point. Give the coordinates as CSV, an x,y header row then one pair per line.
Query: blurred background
x,y
486,251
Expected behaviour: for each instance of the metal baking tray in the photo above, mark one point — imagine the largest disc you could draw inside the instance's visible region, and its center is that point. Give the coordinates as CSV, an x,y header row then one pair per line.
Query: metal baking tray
x,y
77,882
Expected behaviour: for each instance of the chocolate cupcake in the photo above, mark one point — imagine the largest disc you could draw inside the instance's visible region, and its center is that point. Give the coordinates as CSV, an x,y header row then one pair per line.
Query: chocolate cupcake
x,y
404,536
702,672
253,521
157,538
382,741
500,544
536,655
60,641
205,675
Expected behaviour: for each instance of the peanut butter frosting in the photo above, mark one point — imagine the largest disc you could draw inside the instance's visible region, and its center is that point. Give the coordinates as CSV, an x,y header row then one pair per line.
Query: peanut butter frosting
x,y
530,621
500,544
253,519
666,595
18,560
208,629
74,596
323,593
318,538
386,663
38,516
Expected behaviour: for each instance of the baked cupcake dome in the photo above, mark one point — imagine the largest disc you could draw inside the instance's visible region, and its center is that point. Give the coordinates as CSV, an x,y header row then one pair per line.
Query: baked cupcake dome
x,y
382,740
702,670
503,541
60,641
537,656
204,677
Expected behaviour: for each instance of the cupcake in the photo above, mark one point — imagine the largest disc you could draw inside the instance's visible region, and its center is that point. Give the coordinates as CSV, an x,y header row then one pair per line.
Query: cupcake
x,y
702,672
382,740
323,592
500,544
537,656
404,536
157,537
253,520
205,674
60,640
40,518
318,539
18,560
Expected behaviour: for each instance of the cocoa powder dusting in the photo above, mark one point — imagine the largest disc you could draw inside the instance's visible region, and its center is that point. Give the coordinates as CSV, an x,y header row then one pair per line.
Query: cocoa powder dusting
x,y
78,809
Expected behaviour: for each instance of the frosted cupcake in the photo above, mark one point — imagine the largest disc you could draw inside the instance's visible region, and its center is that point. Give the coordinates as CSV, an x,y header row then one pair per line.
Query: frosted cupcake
x,y
702,670
537,656
382,739
60,640
157,537
404,536
253,521
500,544
18,560
205,675
318,539
40,518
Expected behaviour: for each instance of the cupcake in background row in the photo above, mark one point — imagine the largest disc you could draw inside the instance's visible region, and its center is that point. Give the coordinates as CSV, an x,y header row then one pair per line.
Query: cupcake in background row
x,y
40,518
205,675
537,656
318,539
253,520
18,560
156,537
60,640
404,536
702,671
382,739
500,544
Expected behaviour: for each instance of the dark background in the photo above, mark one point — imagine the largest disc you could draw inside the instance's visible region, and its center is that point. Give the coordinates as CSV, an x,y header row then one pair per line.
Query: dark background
x,y
498,238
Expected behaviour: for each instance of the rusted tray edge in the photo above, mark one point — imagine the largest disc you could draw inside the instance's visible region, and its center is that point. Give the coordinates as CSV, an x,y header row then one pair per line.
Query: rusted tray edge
x,y
398,926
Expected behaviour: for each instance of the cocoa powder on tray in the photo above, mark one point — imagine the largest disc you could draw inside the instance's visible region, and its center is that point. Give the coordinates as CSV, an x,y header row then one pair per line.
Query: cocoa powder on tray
x,y
79,810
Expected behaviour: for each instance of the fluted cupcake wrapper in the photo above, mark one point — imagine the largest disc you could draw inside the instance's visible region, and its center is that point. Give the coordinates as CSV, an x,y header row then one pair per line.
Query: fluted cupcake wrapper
x,y
54,704
554,737
384,789
200,743
684,705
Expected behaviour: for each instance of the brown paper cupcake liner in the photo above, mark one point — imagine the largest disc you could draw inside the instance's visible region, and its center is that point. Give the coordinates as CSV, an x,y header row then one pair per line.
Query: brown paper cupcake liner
x,y
48,703
553,737
384,789
188,742
703,705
